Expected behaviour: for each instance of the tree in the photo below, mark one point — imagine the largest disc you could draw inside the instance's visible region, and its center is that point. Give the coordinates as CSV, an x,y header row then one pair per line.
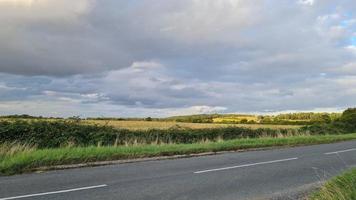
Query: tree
x,y
348,119
325,118
243,121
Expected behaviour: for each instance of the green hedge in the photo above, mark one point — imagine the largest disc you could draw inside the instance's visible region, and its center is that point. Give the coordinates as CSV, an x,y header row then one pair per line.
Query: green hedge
x,y
49,134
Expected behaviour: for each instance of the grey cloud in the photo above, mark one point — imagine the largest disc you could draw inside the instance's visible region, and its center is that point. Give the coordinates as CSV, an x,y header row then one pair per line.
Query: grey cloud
x,y
170,56
188,35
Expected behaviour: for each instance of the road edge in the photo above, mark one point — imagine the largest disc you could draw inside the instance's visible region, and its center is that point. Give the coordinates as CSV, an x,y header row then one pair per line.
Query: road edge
x,y
157,158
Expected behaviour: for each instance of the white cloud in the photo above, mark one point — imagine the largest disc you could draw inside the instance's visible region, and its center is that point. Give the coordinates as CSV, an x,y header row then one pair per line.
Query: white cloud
x,y
46,10
306,2
146,64
351,48
203,110
347,69
17,3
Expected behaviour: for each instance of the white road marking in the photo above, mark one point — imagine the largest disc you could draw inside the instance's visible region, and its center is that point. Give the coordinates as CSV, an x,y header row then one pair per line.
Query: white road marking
x,y
342,151
246,165
54,192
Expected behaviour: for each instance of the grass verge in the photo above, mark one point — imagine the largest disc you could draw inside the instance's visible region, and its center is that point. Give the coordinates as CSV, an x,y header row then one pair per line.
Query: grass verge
x,y
342,187
28,159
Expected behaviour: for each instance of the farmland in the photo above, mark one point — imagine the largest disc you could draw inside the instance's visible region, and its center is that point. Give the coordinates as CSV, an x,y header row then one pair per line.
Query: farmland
x,y
146,125
28,143
236,119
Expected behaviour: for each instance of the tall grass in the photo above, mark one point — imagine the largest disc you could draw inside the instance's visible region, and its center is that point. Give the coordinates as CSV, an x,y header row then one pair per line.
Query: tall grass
x,y
340,188
28,158
8,150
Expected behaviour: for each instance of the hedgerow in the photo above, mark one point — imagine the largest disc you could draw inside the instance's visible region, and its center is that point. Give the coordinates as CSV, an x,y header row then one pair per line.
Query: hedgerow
x,y
50,134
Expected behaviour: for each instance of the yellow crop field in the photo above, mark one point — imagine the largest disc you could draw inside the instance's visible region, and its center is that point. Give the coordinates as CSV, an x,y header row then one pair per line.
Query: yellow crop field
x,y
145,125
235,119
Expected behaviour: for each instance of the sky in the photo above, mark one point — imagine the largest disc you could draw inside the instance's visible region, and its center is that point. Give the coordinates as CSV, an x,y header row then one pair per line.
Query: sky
x,y
160,58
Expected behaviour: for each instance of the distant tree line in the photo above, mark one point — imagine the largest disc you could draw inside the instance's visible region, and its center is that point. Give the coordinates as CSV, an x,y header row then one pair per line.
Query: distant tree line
x,y
305,118
299,118
26,116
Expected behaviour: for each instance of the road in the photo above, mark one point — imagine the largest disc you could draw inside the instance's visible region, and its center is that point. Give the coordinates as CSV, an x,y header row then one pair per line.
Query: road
x,y
278,173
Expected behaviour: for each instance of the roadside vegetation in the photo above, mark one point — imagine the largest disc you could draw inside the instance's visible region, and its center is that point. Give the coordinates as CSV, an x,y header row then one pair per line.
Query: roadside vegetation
x,y
29,143
342,187
60,133
18,158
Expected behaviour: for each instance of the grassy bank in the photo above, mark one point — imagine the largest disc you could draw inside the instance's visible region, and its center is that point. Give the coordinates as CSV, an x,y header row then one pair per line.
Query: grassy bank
x,y
340,188
18,159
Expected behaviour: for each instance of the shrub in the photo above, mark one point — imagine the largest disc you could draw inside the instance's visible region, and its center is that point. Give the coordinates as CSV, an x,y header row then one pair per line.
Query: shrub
x,y
345,124
49,134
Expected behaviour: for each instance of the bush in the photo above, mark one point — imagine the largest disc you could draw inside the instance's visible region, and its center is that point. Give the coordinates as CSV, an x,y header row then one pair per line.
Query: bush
x,y
345,124
52,133
49,134
347,121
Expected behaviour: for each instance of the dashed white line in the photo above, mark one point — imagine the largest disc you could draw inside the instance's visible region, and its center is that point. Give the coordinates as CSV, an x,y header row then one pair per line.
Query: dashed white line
x,y
54,192
246,165
341,151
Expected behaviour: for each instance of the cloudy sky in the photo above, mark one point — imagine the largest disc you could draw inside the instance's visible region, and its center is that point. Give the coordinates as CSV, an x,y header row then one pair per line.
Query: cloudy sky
x,y
173,57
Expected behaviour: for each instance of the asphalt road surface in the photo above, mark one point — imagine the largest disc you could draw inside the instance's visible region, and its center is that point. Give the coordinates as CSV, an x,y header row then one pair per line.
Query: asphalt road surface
x,y
278,174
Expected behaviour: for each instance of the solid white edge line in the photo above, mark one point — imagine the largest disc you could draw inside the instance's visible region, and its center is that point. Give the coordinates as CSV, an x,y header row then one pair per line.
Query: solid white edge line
x,y
54,192
246,165
342,151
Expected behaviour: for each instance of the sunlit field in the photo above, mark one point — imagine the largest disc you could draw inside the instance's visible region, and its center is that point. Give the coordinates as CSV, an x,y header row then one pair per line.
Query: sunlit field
x,y
235,119
144,125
